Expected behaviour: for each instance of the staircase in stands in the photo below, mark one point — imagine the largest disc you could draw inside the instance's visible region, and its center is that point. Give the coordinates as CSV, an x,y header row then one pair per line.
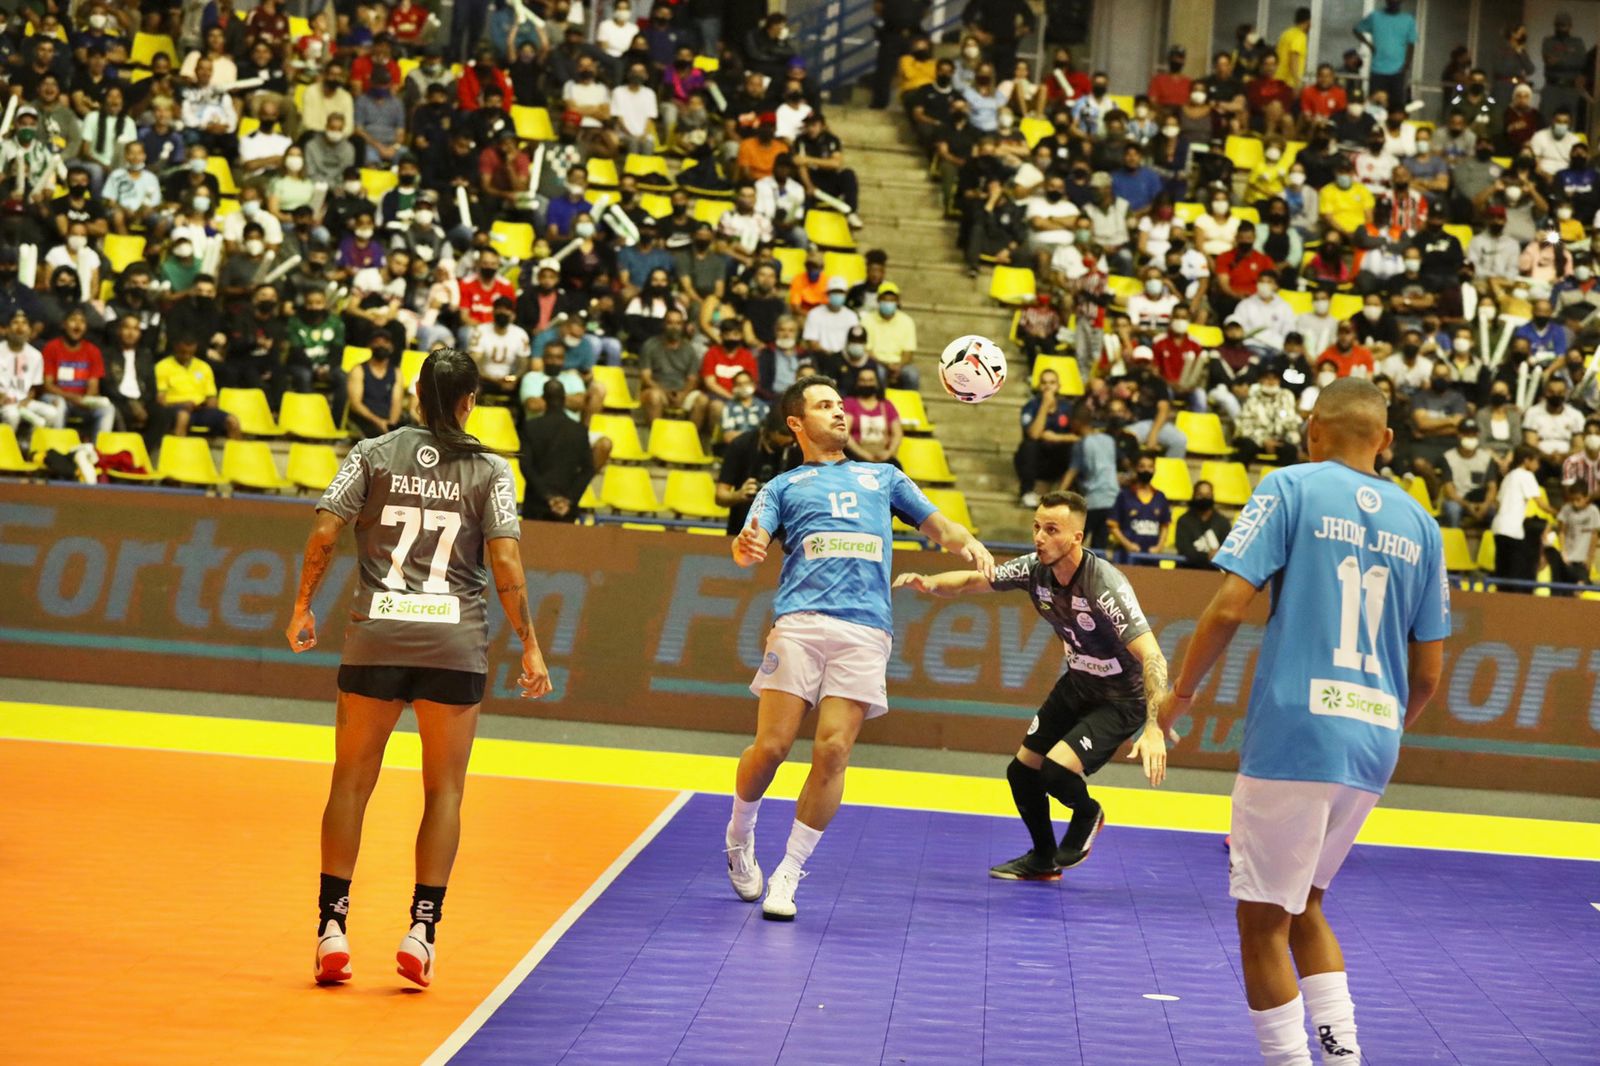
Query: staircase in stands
x,y
900,205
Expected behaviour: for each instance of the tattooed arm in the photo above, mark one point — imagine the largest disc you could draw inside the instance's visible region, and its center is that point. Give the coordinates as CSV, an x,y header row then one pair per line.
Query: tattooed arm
x,y
510,582
1152,743
302,630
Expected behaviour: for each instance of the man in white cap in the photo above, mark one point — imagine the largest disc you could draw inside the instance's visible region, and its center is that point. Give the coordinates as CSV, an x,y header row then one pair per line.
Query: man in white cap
x,y
828,325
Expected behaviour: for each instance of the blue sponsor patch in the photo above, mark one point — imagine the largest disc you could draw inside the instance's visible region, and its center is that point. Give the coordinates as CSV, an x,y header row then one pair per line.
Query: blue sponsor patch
x,y
770,663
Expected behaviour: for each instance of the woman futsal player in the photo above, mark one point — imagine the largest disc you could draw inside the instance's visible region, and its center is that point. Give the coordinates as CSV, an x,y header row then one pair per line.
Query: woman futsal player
x,y
427,501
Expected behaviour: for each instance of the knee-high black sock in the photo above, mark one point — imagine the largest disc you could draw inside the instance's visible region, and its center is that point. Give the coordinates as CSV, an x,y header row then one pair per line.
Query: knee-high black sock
x,y
1072,791
1034,806
333,901
427,906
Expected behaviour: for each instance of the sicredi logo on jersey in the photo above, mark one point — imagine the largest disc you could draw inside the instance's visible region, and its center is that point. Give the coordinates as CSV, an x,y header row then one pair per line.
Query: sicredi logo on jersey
x,y
844,546
416,607
1341,699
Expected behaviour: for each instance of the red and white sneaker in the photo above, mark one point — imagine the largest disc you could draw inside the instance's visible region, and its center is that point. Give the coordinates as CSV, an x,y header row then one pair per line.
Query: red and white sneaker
x,y
333,955
414,960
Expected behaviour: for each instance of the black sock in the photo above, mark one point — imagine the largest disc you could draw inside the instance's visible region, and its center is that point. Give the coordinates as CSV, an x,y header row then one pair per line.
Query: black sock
x,y
1034,806
333,901
427,903
1072,791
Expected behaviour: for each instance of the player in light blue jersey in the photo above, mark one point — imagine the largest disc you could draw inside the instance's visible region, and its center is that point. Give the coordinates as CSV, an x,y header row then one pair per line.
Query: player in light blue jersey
x,y
829,645
1353,650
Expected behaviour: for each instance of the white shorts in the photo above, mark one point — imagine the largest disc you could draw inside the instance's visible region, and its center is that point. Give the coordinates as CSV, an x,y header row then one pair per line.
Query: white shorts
x,y
814,655
1290,835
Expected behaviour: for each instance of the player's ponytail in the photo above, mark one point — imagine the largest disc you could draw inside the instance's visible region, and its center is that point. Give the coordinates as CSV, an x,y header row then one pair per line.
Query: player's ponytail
x,y
447,376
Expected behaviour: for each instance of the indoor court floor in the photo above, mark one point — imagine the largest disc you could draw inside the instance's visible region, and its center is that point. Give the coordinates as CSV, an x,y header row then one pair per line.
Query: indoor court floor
x,y
161,870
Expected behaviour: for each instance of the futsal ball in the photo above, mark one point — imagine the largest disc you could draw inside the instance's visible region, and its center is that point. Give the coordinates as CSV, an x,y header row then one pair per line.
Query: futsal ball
x,y
972,368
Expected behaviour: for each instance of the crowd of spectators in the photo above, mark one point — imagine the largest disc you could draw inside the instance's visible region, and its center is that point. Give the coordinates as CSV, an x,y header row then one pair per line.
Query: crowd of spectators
x,y
1231,240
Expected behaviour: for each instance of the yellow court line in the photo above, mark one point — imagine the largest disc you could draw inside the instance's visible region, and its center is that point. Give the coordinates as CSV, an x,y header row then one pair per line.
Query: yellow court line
x,y
963,794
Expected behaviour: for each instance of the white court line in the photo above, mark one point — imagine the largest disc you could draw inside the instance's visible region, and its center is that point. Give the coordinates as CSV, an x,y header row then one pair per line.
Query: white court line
x,y
1596,906
492,1002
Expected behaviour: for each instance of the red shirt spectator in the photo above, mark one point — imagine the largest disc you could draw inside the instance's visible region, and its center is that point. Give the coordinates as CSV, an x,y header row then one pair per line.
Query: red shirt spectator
x,y
1079,81
1348,361
1521,124
1322,103
71,366
1173,353
477,297
469,88
361,72
406,23
1169,90
267,23
721,366
1262,91
1243,270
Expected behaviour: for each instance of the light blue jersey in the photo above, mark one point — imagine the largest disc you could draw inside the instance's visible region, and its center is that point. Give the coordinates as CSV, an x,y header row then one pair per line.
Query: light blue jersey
x,y
1357,572
835,521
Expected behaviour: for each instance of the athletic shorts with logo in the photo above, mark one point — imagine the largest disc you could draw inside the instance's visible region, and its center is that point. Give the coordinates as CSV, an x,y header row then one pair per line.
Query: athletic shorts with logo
x,y
1093,726
813,655
1287,836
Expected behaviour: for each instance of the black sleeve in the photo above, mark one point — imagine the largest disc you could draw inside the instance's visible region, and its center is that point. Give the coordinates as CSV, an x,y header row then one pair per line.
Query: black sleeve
x,y
736,462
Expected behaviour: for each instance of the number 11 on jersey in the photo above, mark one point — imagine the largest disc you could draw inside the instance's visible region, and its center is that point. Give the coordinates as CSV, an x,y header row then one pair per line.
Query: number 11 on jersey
x,y
1352,584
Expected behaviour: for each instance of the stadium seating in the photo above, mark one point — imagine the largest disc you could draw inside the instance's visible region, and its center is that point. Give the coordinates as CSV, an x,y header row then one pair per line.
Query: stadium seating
x,y
410,366
623,434
1418,489
53,440
514,240
952,503
1066,368
123,250
1457,556
693,494
829,229
710,211
602,173
378,182
250,407
1204,432
110,443
146,46
1172,478
532,123
651,170
1013,285
1230,481
851,266
909,406
675,440
11,457
791,261
312,466
1245,153
249,463
187,460
923,460
1035,130
519,484
308,416
495,427
1486,554
615,382
354,356
218,168
628,488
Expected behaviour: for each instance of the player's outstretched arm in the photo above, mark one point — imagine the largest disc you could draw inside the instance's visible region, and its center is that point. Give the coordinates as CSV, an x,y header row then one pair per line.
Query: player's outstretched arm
x,y
1151,745
510,581
750,546
302,629
1211,637
1423,673
946,585
958,539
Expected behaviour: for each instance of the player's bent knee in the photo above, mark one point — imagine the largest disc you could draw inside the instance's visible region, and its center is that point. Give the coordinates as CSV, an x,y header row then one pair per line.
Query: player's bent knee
x,y
1262,921
771,750
831,753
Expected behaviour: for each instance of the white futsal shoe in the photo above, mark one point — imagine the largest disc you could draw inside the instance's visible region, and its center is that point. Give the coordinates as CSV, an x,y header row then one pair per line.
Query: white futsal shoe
x,y
779,904
743,870
414,960
333,955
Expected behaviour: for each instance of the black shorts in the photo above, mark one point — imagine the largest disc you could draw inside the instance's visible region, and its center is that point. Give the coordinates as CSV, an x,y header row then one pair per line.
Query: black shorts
x,y
411,683
1094,727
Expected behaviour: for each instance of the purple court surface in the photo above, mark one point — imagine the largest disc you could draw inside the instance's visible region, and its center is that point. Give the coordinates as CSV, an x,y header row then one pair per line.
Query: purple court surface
x,y
905,952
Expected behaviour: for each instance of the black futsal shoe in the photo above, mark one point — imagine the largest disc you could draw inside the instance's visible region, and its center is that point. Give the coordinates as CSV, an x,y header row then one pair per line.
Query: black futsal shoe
x,y
1026,867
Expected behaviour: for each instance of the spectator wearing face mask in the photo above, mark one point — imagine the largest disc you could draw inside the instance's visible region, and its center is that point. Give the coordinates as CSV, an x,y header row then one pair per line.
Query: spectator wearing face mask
x,y
828,325
1346,204
1141,515
892,338
1200,530
1553,425
744,412
721,365
1582,467
875,429
1268,425
1470,484
1408,368
1547,336
1265,317
1045,452
1346,356
1438,414
316,350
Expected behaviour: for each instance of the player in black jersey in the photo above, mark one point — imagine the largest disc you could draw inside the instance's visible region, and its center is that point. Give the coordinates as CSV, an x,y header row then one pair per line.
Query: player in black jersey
x,y
428,502
1111,690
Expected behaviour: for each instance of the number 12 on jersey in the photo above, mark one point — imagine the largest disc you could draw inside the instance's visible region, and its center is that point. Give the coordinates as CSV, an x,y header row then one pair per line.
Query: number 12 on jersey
x,y
411,520
1353,583
844,505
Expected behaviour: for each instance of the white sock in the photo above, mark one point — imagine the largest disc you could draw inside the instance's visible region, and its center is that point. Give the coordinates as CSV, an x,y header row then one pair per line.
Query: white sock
x,y
1333,1016
802,842
1281,1032
743,822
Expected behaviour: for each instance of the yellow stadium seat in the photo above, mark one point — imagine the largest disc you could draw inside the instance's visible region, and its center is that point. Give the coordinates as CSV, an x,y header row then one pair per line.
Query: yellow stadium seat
x,y
11,457
226,206
791,261
710,211
655,204
312,466
300,96
519,484
187,460
133,444
1124,287
708,64
532,123
376,182
299,27
354,356
494,427
1291,149
589,501
693,494
249,406
615,381
1206,336
512,239
1186,211
249,463
628,488
1066,368
307,415
1457,556
1343,305
1462,233
1299,302
1013,285
706,531
1035,130
922,458
407,65
410,366
623,435
146,46
1248,214
675,440
830,229
1123,102
1204,432
909,406
1172,478
122,251
602,172
1245,153
218,168
645,527
1418,490
248,125
1230,481
1486,553
53,440
851,266
648,168
952,503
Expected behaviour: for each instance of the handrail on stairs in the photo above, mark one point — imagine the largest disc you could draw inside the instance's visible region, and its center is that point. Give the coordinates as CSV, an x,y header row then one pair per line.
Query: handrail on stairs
x,y
839,38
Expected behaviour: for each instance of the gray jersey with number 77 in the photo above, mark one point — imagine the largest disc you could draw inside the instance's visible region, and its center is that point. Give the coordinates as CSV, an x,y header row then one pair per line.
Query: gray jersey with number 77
x,y
421,519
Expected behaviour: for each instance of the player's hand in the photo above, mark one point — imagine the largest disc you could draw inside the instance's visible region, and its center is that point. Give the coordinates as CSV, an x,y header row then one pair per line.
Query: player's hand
x,y
748,548
302,630
976,554
915,582
1152,748
535,679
